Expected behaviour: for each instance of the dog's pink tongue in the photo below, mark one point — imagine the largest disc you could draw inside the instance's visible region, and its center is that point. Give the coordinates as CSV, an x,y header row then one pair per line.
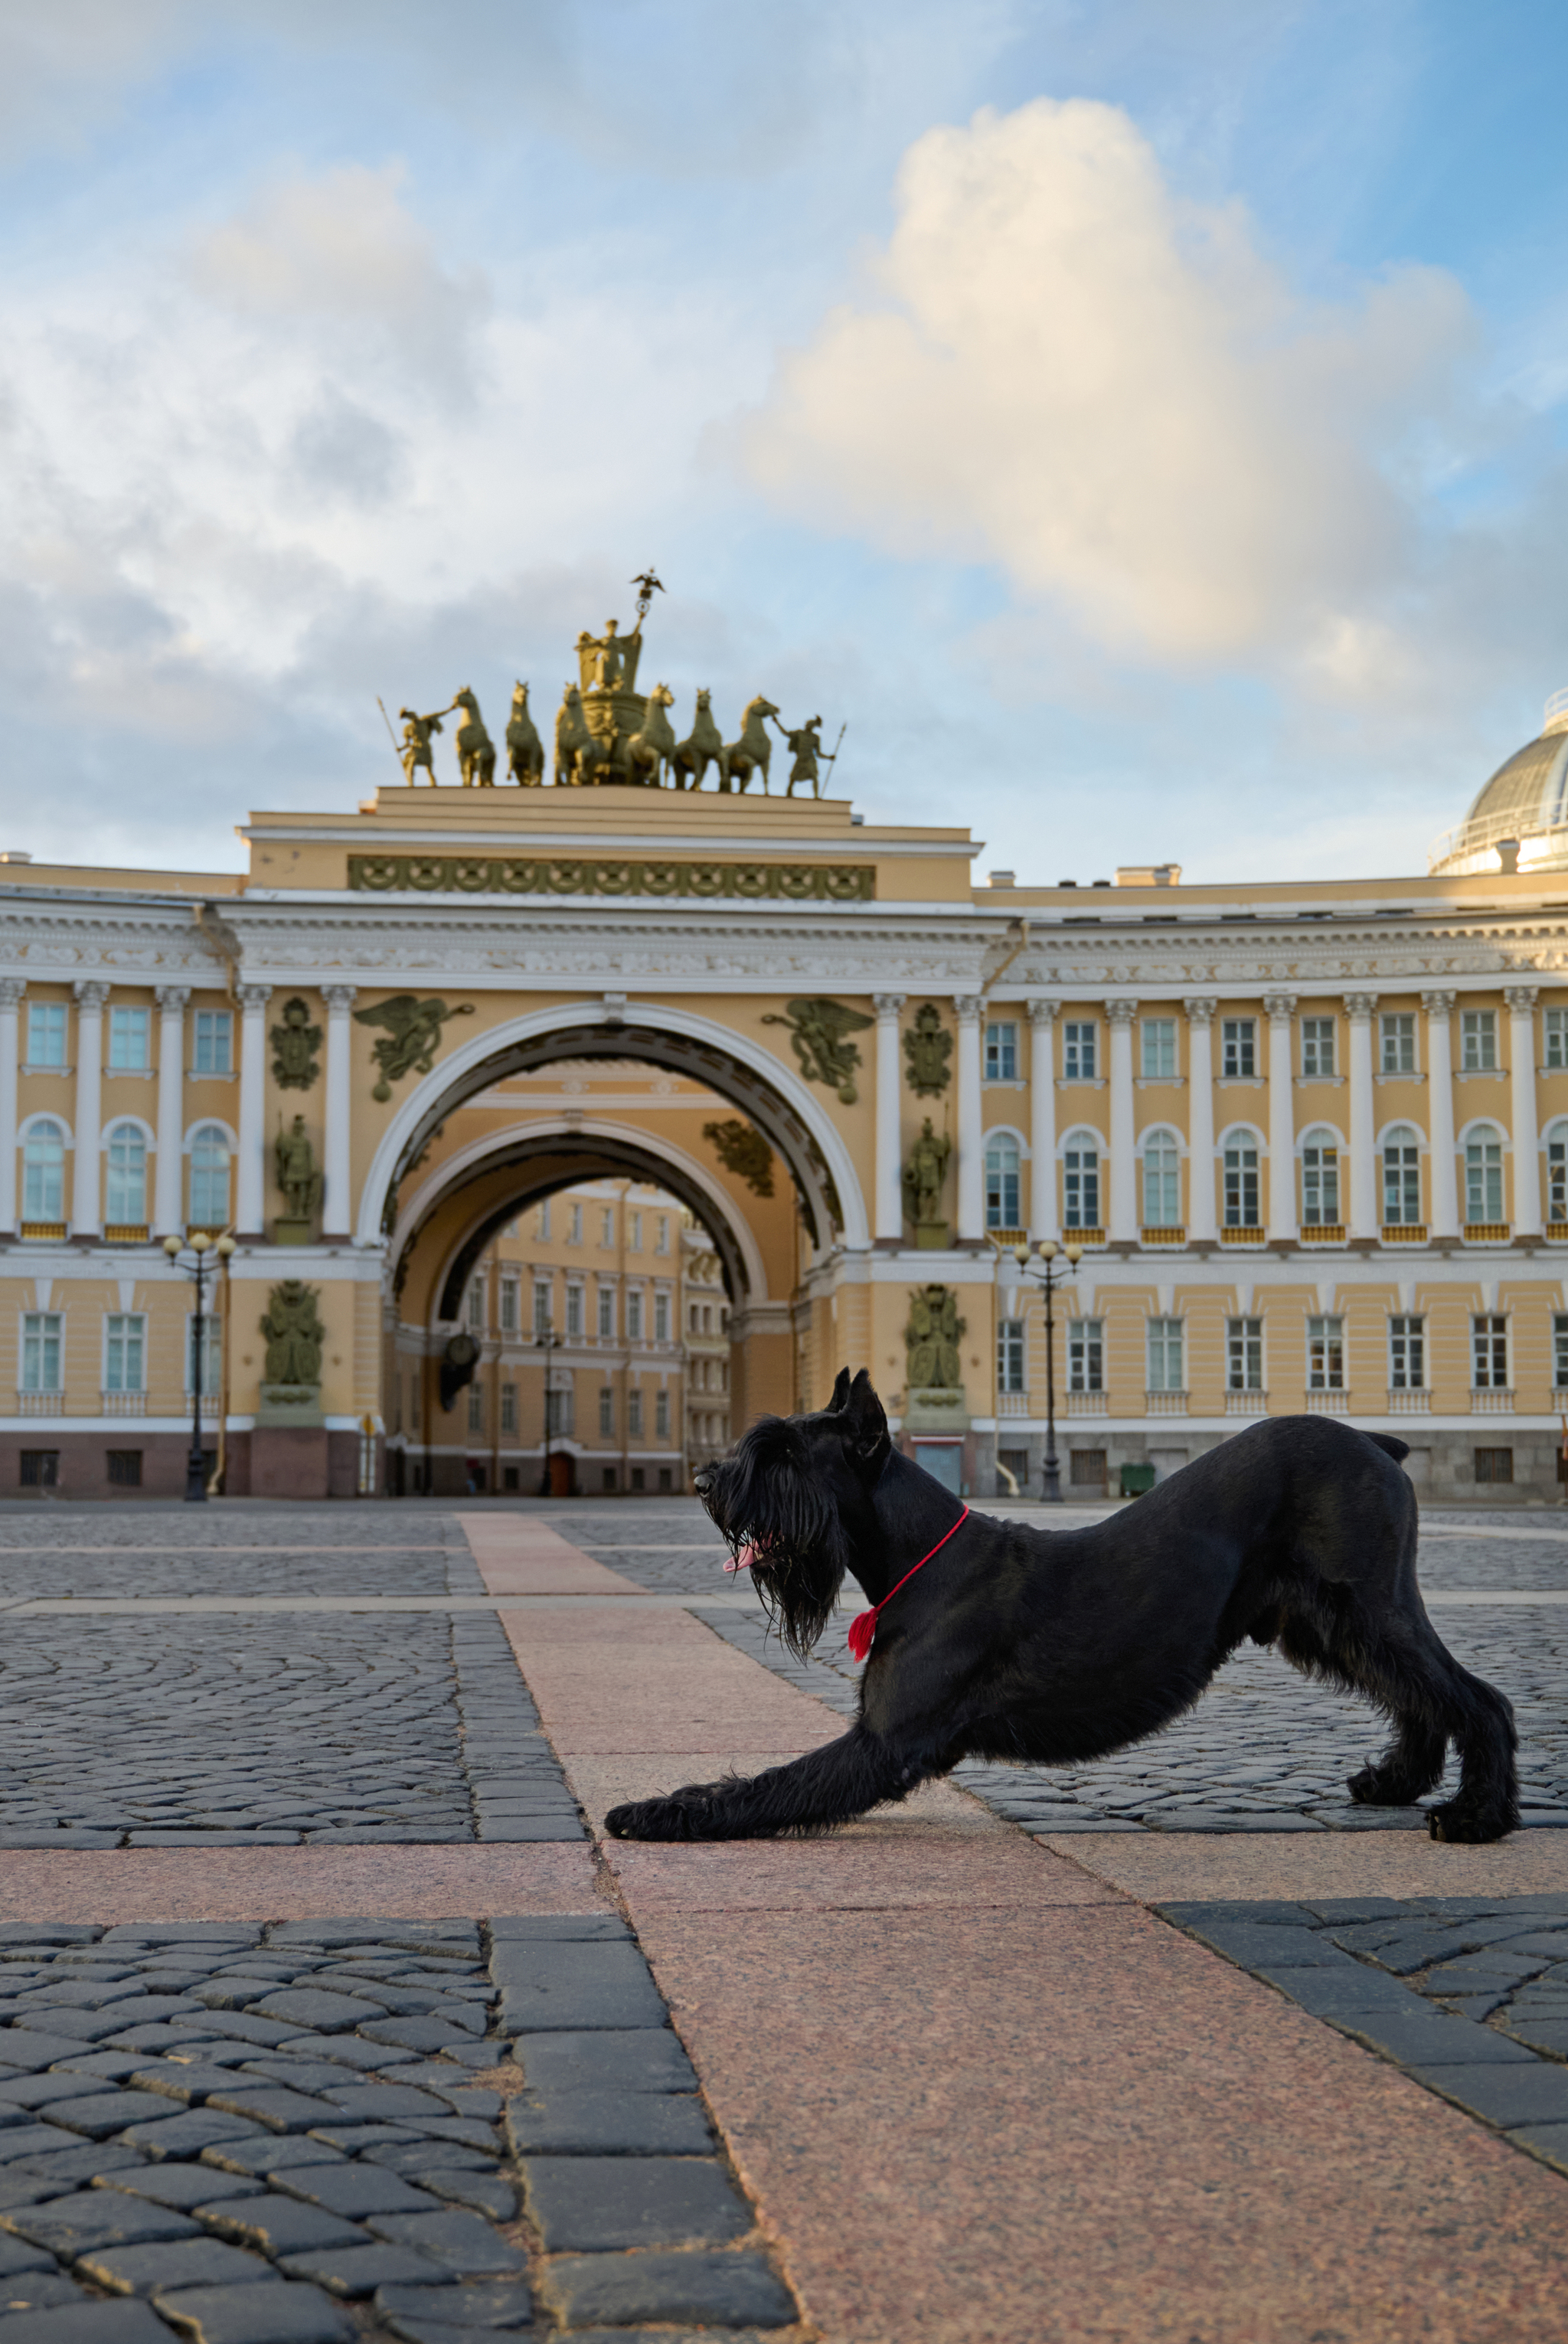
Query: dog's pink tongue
x,y
744,1559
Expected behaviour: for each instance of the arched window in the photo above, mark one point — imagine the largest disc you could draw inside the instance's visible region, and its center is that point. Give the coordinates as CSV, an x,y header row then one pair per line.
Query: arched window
x,y
1319,1180
1002,1209
126,1150
43,1173
1161,1181
1484,1175
1081,1182
1557,1172
209,1176
1401,1177
1241,1168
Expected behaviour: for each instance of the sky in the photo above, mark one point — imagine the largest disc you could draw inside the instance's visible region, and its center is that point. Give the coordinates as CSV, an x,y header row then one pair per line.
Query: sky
x,y
1139,424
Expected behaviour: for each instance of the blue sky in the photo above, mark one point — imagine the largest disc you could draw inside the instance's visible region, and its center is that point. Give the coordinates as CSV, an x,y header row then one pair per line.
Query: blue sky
x,y
1141,423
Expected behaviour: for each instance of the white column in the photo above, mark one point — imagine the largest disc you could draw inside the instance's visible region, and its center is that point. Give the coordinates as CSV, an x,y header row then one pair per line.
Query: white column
x,y
250,1192
1044,1214
970,1008
1364,1220
890,1224
1521,1000
167,1219
1443,1200
12,988
1202,1221
1280,1008
1120,1015
337,1203
87,1216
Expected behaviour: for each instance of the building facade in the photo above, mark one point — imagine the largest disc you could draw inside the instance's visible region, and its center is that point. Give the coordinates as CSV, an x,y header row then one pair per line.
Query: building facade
x,y
1311,1138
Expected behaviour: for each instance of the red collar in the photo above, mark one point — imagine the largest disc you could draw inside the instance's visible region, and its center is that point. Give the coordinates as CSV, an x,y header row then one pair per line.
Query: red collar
x,y
863,1626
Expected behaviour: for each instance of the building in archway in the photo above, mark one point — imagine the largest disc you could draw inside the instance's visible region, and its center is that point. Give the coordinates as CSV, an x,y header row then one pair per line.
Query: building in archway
x,y
1311,1138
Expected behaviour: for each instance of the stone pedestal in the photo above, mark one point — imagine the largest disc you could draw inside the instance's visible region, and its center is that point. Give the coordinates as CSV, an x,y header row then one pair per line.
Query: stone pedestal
x,y
931,1237
286,1231
296,1406
289,1460
941,1407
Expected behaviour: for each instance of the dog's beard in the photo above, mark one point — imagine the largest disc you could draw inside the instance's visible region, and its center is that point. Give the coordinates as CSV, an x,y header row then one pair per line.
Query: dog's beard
x,y
785,1530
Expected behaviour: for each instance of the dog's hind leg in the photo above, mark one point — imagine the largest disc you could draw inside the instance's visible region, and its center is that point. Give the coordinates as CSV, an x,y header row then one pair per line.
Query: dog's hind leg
x,y
828,1786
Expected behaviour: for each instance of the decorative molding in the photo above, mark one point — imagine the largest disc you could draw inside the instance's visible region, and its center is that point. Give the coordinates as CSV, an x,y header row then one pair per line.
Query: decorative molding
x,y
1042,1014
888,1006
172,998
1522,998
1200,1012
92,992
1279,1007
1121,1013
1358,1006
968,1007
513,874
1439,1004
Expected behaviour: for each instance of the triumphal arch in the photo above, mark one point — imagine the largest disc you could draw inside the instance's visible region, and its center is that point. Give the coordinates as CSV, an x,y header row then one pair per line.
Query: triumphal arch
x,y
1308,1142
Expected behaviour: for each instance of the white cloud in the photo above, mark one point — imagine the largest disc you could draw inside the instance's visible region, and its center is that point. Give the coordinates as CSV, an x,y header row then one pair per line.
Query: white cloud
x,y
1066,370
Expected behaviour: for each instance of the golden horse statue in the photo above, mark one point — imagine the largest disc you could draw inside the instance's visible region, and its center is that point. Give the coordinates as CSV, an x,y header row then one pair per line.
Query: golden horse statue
x,y
475,750
647,753
579,758
524,749
703,746
754,750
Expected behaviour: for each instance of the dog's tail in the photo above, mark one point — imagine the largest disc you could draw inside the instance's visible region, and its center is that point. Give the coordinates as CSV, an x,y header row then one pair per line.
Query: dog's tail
x,y
1397,1450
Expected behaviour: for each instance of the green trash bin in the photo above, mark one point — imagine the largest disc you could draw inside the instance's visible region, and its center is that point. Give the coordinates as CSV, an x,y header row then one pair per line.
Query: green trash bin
x,y
1136,1479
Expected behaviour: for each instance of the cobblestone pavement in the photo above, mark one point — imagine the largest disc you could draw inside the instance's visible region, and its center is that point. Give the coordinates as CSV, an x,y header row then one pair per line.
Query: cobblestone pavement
x,y
1264,1750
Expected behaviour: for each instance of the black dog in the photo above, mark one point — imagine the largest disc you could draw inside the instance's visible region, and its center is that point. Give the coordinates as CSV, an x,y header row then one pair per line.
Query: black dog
x,y
995,1641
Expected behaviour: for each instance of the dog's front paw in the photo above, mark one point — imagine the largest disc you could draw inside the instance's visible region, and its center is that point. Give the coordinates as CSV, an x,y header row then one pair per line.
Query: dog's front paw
x,y
651,1819
1461,1826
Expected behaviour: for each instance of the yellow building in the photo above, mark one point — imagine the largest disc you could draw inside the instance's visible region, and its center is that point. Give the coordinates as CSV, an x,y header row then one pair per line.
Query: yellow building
x,y
1313,1139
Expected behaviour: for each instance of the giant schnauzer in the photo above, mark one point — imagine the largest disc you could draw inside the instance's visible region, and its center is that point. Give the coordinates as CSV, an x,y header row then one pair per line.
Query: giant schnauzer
x,y
988,1640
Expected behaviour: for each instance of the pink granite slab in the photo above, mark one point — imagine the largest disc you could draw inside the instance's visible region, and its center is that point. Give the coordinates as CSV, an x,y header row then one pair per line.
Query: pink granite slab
x,y
607,1682
518,1556
1044,2124
1158,1866
283,1883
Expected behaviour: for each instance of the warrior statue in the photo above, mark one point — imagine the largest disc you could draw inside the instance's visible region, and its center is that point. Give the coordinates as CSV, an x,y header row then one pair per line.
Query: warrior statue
x,y
608,662
925,1173
805,746
298,1176
295,1334
417,731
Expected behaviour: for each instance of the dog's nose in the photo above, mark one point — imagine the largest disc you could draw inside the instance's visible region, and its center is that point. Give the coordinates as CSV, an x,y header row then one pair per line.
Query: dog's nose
x,y
702,1481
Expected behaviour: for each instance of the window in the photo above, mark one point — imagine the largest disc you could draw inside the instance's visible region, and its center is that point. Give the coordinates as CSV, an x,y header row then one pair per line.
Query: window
x,y
574,1227
124,1351
606,1413
1009,1355
1319,1180
475,1408
1165,1356
634,1233
43,1173
40,1469
1317,1047
42,1332
639,1478
542,1226
1087,1468
214,1042
128,1031
693,1314
606,1227
1240,1169
1489,1351
508,1306
125,1467
1161,1181
1002,1208
209,1177
1397,1037
1244,1355
662,1318
634,1314
1325,1354
606,1314
661,1233
1495,1464
661,1416
1086,1355
1560,1352
1407,1354
1159,1048
1556,1030
477,1302
544,1305
1484,1178
1238,1045
561,1414
509,1407
46,1034
1401,1177
1080,1185
574,1311
211,1355
1478,1040
1557,1173
1001,1053
634,1413
1078,1053
126,1152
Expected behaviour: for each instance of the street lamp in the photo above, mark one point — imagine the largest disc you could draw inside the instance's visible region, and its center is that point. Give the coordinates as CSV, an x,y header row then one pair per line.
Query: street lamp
x,y
547,1340
201,1244
1049,1267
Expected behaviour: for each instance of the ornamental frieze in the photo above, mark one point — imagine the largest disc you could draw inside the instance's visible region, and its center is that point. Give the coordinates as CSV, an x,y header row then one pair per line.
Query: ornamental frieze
x,y
516,874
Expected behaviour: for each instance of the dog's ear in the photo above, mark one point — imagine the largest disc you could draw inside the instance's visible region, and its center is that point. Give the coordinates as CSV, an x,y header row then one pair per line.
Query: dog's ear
x,y
865,1421
840,1392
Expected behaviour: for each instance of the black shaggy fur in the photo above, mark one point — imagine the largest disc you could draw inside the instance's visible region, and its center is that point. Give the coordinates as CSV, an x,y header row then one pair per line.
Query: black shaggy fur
x,y
1059,1646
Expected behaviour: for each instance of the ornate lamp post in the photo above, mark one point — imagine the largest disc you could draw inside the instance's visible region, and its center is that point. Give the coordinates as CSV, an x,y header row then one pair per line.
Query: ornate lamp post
x,y
201,1244
1049,1267
547,1341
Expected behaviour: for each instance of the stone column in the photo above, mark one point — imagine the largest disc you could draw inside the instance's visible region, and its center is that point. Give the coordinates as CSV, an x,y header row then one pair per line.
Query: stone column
x,y
1280,1008
1521,1000
337,1200
970,1008
87,1200
167,1219
250,1183
1203,1218
1044,1213
1120,1016
890,1221
1364,1219
12,988
1443,1200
